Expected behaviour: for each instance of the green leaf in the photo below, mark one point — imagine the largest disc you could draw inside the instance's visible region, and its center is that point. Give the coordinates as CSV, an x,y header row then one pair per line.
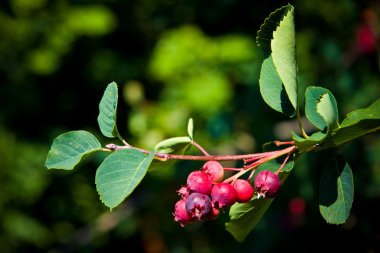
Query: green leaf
x,y
336,191
190,128
119,174
176,145
265,34
272,90
70,148
283,47
321,108
107,111
304,145
358,123
245,216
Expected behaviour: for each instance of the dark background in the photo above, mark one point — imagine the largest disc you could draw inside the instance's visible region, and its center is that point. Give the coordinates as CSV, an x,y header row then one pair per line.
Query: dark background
x,y
173,60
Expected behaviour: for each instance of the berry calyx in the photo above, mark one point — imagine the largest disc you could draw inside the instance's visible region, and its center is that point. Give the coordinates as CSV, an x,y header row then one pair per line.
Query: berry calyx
x,y
184,192
223,194
200,182
267,184
244,190
180,213
198,205
215,170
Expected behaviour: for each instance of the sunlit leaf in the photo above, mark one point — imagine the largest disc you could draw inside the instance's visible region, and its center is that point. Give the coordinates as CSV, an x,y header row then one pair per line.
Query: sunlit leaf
x,y
283,46
190,128
175,145
358,123
321,108
119,174
108,110
304,145
265,34
272,90
69,148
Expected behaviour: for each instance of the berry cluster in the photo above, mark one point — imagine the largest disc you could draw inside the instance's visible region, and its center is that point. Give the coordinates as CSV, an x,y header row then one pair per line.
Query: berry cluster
x,y
205,193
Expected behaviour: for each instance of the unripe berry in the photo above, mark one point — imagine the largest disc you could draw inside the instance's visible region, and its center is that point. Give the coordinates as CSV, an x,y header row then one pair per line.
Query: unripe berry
x,y
180,213
200,182
267,184
223,194
198,205
215,170
244,190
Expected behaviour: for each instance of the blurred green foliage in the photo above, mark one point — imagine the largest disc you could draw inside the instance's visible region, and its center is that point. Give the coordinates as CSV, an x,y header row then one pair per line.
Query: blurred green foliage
x,y
172,60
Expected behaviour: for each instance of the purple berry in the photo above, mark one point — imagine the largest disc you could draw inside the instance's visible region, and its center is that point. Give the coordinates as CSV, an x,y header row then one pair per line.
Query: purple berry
x,y
223,194
198,205
213,214
244,190
180,213
215,170
267,184
200,182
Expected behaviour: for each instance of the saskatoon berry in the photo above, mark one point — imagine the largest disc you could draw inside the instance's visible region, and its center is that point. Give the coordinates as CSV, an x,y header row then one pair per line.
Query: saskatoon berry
x,y
244,190
200,182
180,213
223,194
267,184
215,170
198,205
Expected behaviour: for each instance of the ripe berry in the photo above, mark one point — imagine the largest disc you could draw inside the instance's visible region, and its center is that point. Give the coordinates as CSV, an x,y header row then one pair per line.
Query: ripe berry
x,y
180,213
244,190
267,184
198,205
223,194
215,170
200,182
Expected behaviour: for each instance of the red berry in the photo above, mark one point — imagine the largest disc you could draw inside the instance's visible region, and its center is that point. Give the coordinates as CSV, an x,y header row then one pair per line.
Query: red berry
x,y
180,213
267,184
244,190
200,182
198,205
223,194
215,170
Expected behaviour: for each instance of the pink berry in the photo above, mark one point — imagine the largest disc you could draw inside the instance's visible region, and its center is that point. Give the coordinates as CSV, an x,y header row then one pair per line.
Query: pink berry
x,y
223,194
180,213
244,190
215,170
184,192
267,184
198,205
200,182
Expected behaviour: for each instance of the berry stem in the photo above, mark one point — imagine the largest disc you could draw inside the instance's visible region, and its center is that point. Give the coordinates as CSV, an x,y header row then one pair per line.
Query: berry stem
x,y
247,157
273,155
200,148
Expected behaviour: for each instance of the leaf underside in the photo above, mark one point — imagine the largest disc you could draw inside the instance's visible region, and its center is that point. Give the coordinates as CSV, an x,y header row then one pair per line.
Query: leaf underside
x,y
336,191
107,111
